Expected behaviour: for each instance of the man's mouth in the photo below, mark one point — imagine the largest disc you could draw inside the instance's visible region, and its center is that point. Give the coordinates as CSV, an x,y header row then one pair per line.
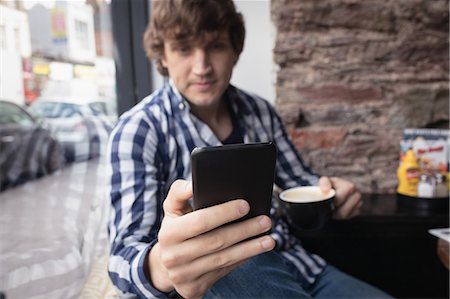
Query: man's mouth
x,y
203,84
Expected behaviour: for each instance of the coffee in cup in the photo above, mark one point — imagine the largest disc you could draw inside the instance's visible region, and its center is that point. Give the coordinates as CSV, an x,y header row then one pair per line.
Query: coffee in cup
x,y
307,207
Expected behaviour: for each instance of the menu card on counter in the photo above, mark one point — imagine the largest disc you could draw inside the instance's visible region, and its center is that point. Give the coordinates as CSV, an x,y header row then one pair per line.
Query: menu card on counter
x,y
424,163
441,233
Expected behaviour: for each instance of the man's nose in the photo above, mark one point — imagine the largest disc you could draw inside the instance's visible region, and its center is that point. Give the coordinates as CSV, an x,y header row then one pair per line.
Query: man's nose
x,y
202,64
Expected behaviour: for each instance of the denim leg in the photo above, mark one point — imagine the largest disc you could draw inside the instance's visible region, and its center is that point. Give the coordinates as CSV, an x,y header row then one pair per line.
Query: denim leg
x,y
333,283
264,276
269,275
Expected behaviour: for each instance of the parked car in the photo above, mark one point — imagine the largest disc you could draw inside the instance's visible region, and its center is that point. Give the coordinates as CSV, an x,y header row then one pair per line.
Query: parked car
x,y
81,126
27,151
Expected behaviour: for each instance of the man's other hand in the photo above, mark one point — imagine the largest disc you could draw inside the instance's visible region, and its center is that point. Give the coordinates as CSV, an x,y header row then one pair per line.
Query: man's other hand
x,y
348,201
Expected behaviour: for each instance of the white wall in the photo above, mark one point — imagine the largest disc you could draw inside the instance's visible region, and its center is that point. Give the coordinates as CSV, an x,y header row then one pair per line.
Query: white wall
x,y
255,70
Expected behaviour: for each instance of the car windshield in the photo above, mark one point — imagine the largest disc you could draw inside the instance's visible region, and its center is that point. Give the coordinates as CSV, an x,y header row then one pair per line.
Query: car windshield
x,y
11,114
98,108
55,109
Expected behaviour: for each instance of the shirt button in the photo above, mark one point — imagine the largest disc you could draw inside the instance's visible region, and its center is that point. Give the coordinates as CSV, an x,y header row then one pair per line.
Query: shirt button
x,y
181,106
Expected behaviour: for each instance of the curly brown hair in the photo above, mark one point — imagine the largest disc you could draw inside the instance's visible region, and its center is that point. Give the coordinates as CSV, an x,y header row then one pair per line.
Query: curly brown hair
x,y
181,19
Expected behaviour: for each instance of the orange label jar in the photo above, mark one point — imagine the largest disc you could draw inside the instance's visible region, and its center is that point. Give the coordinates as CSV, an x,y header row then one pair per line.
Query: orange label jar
x,y
408,175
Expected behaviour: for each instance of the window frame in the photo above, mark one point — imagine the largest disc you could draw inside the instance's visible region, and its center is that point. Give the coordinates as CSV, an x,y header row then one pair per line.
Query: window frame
x,y
133,69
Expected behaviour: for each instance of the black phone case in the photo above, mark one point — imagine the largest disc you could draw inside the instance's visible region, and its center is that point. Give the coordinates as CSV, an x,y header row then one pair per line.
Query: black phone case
x,y
244,171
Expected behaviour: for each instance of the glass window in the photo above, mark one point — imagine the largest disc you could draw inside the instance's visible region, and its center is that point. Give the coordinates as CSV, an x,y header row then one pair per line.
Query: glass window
x,y
55,109
81,34
60,79
98,108
17,39
3,43
66,56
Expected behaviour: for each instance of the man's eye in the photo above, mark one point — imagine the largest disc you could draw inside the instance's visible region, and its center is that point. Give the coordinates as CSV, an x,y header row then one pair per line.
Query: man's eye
x,y
182,49
218,46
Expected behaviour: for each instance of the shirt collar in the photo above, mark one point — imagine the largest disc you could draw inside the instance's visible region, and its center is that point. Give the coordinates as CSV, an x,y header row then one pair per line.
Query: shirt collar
x,y
177,100
237,100
240,105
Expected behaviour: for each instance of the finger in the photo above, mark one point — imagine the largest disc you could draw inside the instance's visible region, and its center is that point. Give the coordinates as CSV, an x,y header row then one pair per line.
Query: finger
x,y
344,189
222,259
176,202
216,240
325,184
345,210
198,287
357,210
233,255
207,219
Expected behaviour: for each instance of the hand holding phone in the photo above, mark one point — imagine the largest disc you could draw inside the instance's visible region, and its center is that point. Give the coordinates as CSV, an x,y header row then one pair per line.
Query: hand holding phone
x,y
186,239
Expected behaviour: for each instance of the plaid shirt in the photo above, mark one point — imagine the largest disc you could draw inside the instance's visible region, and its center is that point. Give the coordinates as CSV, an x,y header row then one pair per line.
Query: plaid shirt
x,y
150,148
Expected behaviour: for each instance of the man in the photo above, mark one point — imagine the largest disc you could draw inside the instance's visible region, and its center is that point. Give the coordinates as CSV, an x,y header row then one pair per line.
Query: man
x,y
159,246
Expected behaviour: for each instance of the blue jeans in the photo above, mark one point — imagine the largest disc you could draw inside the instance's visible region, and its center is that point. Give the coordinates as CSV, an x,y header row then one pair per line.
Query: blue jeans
x,y
269,275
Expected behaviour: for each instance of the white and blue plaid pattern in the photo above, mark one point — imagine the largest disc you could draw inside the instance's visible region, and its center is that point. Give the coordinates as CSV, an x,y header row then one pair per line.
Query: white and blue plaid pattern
x,y
150,148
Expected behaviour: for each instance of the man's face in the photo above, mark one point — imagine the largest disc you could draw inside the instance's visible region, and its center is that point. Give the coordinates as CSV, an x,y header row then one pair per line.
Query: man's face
x,y
200,68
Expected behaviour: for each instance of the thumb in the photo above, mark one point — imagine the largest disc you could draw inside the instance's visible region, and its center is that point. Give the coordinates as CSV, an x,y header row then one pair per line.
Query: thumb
x,y
177,200
325,184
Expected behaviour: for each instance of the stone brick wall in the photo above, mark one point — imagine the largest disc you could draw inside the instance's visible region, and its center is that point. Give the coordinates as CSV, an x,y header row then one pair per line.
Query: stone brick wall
x,y
353,74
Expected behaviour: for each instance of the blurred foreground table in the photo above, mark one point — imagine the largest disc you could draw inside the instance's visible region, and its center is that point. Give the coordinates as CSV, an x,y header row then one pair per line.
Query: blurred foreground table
x,y
388,245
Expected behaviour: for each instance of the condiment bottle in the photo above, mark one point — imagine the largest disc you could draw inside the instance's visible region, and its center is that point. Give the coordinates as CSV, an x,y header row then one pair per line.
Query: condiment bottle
x,y
408,174
425,188
441,186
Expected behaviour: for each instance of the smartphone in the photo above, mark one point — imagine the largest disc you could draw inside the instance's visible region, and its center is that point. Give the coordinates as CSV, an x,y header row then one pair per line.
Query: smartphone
x,y
236,171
